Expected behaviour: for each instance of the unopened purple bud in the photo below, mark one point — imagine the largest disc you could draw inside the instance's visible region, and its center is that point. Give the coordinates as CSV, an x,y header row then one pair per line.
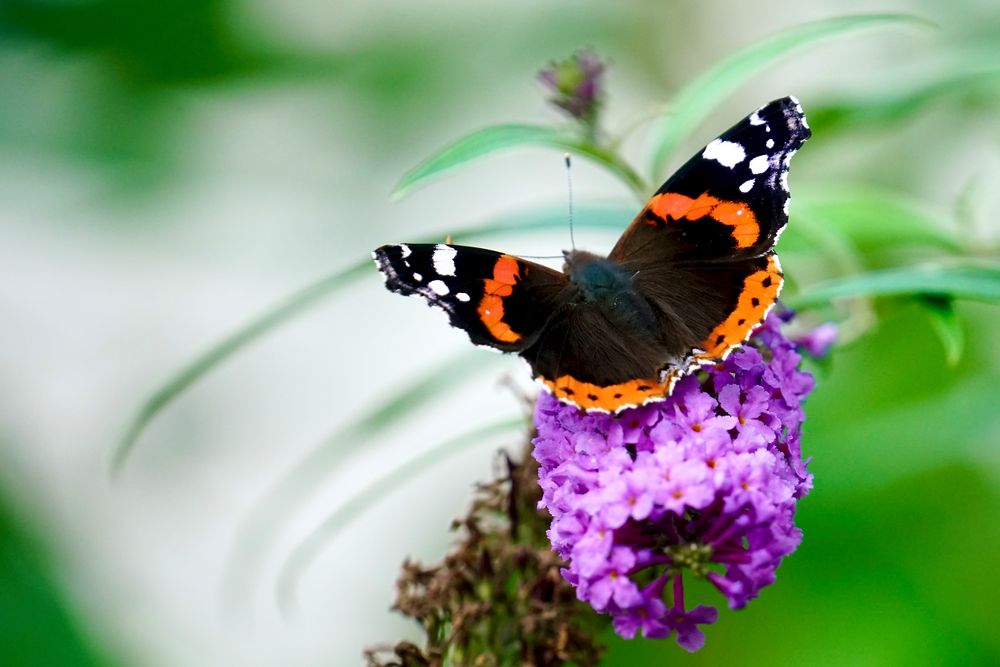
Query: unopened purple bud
x,y
575,84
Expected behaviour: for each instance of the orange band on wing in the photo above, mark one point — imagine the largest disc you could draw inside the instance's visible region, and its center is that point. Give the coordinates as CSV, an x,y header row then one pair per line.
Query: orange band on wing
x,y
505,274
737,215
760,291
610,398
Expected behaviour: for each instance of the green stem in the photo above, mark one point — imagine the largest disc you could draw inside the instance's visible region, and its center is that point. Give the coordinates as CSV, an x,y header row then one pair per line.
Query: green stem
x,y
617,166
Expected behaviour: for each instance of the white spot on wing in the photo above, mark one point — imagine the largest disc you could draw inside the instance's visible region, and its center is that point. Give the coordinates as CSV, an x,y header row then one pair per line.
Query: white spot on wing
x,y
444,260
439,287
755,118
770,143
746,186
462,296
727,153
417,277
405,249
759,164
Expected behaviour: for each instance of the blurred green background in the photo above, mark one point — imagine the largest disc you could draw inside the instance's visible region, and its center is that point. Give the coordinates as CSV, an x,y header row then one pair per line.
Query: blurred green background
x,y
169,171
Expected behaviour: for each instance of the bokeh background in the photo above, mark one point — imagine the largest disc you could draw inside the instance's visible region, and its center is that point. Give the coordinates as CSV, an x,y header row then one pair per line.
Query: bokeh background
x,y
169,171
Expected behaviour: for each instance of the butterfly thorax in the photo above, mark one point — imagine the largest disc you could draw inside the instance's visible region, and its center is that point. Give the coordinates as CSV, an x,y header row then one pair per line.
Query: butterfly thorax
x,y
607,286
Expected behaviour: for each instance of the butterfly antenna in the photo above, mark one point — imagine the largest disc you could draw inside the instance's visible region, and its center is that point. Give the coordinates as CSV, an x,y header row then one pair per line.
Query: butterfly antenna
x,y
569,191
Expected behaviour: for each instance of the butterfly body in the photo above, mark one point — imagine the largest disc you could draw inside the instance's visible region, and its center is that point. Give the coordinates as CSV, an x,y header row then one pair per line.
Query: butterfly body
x,y
687,282
607,287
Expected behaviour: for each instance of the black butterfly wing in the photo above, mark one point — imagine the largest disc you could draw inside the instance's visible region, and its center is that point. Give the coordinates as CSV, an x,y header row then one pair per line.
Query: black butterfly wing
x,y
729,201
499,300
702,248
596,360
700,256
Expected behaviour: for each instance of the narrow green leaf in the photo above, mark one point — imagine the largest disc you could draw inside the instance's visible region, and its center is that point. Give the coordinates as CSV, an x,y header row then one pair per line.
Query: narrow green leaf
x,y
887,107
610,217
827,240
379,488
613,217
696,99
829,243
262,524
968,210
873,219
500,137
979,281
174,386
479,143
41,623
947,325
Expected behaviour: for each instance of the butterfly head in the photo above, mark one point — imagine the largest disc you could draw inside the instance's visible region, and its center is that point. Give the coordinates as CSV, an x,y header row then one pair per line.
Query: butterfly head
x,y
595,277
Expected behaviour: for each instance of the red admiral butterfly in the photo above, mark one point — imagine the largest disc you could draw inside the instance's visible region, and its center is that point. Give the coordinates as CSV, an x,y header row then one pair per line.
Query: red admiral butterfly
x,y
686,283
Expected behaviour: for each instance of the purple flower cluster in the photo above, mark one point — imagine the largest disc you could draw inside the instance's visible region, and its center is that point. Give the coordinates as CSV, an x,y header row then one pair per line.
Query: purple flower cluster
x,y
703,484
576,84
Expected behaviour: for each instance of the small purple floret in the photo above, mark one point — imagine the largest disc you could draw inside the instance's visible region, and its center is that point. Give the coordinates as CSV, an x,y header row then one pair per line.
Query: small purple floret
x,y
819,341
703,484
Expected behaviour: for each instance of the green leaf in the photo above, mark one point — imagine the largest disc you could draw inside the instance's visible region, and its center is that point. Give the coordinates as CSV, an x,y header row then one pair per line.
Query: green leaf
x,y
804,231
873,219
887,107
260,528
947,325
500,137
696,99
41,622
610,217
189,374
377,489
979,281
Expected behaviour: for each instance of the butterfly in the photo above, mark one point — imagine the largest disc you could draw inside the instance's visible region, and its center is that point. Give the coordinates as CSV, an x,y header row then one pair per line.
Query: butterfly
x,y
688,281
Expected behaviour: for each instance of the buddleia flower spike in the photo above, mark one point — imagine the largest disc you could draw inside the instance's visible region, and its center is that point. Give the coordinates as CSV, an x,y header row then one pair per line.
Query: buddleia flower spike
x,y
703,485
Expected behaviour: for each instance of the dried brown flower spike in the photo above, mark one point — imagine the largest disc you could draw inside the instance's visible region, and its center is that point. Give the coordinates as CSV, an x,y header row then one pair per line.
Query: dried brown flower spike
x,y
498,598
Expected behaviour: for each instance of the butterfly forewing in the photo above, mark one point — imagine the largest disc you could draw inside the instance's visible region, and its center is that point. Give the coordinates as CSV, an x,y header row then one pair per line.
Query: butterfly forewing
x,y
499,300
729,201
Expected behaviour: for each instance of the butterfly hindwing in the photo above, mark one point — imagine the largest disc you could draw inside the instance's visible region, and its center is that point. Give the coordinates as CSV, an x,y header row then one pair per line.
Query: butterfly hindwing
x,y
597,353
744,297
499,300
628,345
